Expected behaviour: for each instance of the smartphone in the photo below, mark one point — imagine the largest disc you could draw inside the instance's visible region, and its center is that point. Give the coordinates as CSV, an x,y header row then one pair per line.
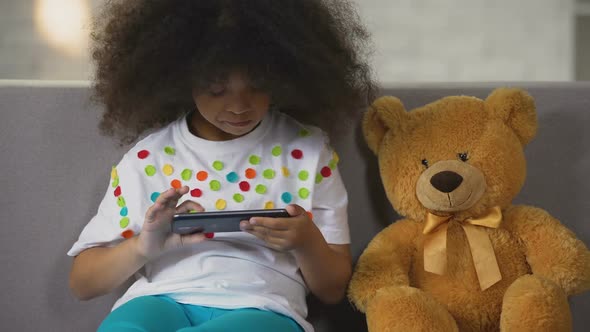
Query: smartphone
x,y
219,221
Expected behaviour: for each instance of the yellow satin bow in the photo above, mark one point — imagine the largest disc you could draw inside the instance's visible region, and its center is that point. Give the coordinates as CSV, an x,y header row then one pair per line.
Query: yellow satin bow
x,y
484,259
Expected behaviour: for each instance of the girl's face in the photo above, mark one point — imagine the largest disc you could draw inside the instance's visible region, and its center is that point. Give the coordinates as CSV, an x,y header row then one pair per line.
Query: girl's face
x,y
228,109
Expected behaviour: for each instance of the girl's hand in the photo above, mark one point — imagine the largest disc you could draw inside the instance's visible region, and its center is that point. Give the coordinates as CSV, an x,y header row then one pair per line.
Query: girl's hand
x,y
283,234
155,237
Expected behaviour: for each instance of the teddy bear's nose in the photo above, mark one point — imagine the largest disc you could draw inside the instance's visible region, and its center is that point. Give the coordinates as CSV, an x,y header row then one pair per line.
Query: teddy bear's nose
x,y
446,181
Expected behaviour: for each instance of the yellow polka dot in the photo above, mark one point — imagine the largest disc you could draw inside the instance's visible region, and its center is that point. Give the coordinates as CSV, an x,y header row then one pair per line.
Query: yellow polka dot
x,y
269,205
286,171
168,169
221,204
335,157
114,173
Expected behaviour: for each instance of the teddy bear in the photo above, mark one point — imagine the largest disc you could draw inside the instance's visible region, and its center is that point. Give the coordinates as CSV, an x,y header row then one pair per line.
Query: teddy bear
x,y
463,258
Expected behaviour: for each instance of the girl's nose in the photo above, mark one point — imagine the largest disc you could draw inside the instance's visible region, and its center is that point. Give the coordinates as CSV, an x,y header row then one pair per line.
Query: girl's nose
x,y
239,103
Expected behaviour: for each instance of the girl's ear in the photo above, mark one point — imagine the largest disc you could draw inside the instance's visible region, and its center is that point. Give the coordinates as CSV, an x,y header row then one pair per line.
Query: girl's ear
x,y
516,108
385,114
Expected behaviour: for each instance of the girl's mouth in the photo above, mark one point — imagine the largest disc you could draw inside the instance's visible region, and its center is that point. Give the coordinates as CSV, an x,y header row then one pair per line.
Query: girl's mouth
x,y
239,124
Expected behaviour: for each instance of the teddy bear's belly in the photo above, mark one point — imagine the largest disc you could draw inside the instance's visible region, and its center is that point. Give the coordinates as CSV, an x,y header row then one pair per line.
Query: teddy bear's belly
x,y
458,289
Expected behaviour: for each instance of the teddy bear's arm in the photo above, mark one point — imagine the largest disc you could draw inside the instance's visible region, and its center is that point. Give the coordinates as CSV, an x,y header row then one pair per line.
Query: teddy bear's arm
x,y
552,250
385,262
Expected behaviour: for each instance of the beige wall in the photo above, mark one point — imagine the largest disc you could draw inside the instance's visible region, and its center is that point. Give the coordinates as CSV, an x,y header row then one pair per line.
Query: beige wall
x,y
25,54
472,40
415,40
583,44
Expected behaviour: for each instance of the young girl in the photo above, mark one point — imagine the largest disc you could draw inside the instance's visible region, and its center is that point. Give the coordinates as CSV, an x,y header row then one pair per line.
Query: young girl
x,y
219,84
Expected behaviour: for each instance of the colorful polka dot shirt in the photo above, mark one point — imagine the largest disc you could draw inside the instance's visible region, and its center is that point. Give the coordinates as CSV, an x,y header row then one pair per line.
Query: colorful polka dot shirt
x,y
279,163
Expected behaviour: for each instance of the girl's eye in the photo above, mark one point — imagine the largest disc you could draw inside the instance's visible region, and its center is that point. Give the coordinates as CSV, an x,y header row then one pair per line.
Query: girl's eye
x,y
463,156
425,163
216,90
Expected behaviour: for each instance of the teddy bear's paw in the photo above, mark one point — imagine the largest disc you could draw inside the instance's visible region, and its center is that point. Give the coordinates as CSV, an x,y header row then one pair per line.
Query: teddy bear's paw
x,y
407,309
533,303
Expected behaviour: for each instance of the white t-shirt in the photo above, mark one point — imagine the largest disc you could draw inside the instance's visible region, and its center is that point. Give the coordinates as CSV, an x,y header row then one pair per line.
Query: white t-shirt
x,y
278,163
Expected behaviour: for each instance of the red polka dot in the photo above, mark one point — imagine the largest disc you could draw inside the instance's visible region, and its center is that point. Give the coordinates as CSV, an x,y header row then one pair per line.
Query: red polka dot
x,y
117,191
127,234
202,176
250,173
326,171
196,193
176,184
310,215
297,154
209,235
143,154
244,186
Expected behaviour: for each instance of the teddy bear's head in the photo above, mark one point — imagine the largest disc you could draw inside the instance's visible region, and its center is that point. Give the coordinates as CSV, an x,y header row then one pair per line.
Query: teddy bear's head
x,y
458,155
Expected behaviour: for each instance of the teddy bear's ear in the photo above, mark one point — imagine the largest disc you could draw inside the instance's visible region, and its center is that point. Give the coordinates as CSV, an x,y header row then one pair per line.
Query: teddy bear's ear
x,y
384,114
517,109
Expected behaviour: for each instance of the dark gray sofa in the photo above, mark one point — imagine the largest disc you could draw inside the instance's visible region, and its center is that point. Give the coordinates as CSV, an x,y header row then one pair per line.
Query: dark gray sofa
x,y
54,165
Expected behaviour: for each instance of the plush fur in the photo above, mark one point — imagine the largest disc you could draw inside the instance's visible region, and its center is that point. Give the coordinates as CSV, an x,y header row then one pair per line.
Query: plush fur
x,y
540,260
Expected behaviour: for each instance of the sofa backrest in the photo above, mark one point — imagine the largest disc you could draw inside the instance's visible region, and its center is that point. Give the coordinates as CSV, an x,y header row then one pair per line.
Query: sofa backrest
x,y
55,165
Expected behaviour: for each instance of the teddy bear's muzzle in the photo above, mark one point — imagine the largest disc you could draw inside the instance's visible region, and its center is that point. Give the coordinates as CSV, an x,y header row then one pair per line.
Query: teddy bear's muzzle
x,y
450,186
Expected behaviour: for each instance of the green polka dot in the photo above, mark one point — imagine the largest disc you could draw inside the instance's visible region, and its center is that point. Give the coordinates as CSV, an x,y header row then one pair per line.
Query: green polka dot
x,y
218,165
239,198
170,150
254,159
277,150
150,170
215,185
124,222
121,201
318,178
332,164
186,174
304,133
304,193
303,175
115,182
261,189
269,173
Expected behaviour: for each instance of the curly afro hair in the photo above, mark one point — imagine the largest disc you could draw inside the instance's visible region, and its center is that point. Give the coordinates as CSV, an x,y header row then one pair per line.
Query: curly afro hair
x,y
309,55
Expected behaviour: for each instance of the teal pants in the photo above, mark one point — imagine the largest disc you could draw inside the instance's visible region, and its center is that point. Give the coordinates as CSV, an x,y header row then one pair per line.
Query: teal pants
x,y
162,314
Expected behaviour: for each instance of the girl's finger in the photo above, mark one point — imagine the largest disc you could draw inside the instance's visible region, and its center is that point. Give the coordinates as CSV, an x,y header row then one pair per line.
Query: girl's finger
x,y
150,214
154,210
167,199
189,206
272,223
168,196
294,210
178,193
266,233
275,243
189,239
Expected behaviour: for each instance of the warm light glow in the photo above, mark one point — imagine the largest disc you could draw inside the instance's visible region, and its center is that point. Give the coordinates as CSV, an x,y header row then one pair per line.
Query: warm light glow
x,y
64,24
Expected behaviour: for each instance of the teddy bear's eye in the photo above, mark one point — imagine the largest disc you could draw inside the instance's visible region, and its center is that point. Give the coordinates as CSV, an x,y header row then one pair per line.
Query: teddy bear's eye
x,y
463,156
425,163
